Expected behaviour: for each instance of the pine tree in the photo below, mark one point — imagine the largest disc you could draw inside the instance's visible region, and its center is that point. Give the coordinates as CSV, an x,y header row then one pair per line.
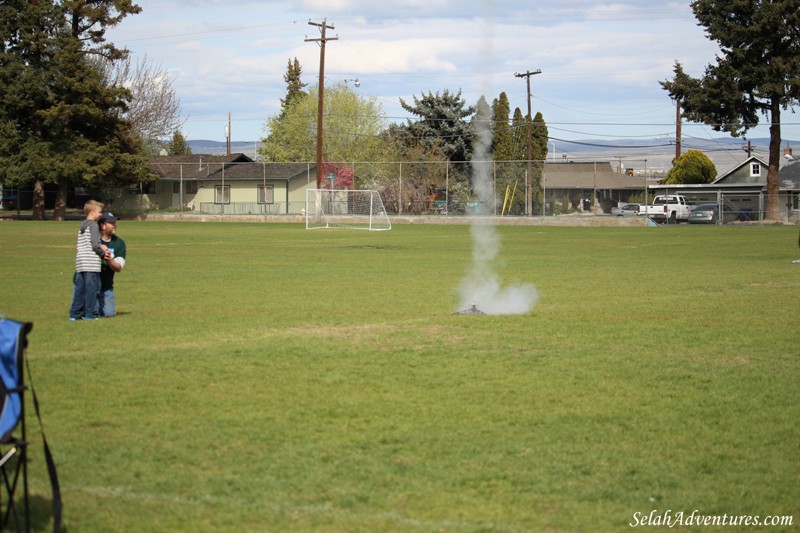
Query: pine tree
x,y
502,136
281,144
443,121
26,29
179,146
294,85
66,121
509,174
539,153
519,133
540,137
755,73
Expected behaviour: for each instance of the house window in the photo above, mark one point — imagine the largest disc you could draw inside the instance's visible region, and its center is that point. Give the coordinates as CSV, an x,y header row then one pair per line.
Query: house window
x,y
189,187
222,194
139,188
755,170
266,194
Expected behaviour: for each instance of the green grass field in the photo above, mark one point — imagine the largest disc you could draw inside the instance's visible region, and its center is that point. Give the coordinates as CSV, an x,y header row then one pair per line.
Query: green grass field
x,y
262,377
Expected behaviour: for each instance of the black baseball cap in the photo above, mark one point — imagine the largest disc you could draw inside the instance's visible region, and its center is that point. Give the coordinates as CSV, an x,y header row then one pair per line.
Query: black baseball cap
x,y
108,217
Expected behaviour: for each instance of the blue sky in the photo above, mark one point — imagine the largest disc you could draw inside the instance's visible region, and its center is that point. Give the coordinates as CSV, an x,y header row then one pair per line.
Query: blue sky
x,y
600,62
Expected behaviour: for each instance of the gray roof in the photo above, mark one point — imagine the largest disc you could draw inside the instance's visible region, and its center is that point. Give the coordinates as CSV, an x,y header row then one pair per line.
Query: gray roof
x,y
236,167
789,178
588,176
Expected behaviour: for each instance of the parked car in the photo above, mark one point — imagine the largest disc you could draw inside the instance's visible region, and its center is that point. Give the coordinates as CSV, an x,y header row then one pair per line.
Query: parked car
x,y
9,202
627,210
709,214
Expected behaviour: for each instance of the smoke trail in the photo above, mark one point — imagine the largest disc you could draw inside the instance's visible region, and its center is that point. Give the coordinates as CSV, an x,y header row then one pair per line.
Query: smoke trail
x,y
481,286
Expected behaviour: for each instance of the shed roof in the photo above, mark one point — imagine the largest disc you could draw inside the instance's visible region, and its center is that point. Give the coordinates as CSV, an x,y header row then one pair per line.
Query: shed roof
x,y
236,167
589,175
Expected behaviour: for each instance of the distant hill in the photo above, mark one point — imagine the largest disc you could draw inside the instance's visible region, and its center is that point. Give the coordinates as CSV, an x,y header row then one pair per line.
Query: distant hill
x,y
657,151
204,146
657,144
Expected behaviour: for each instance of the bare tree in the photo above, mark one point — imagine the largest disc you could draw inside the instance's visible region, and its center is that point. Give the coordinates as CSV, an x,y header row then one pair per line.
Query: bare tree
x,y
154,110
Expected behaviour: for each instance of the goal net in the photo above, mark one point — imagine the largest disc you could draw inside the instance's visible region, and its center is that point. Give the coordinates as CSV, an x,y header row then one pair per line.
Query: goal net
x,y
330,208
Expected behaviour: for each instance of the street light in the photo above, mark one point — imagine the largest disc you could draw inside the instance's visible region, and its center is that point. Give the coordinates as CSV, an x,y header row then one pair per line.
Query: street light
x,y
355,81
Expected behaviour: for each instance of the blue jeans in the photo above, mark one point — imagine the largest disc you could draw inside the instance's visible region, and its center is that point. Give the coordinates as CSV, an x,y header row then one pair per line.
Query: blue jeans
x,y
105,303
85,288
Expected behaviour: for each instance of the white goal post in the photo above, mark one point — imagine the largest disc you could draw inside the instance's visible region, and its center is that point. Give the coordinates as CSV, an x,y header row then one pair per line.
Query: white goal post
x,y
332,208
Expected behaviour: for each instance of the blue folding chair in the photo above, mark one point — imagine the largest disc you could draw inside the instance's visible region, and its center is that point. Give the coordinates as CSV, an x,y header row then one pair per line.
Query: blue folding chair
x,y
13,438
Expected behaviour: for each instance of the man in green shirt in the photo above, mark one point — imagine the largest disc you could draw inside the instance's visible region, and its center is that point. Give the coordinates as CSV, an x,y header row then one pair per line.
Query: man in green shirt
x,y
113,262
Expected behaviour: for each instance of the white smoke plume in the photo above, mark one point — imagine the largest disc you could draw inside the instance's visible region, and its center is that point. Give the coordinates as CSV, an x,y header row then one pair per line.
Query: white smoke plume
x,y
481,286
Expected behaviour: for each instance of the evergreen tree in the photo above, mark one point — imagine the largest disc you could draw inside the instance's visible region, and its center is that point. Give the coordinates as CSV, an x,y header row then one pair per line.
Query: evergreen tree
x,y
482,124
539,140
692,167
179,146
88,21
26,29
519,133
282,142
755,73
509,174
294,85
443,122
502,136
64,122
540,136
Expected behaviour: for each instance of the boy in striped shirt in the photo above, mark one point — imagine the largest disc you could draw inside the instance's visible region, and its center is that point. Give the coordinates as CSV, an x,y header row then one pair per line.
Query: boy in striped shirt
x,y
88,260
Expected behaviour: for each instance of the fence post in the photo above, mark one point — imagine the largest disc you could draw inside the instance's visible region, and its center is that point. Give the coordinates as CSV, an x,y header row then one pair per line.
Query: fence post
x,y
400,192
446,189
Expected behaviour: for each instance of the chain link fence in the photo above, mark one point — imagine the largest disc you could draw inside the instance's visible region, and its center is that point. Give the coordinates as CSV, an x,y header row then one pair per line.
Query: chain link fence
x,y
432,188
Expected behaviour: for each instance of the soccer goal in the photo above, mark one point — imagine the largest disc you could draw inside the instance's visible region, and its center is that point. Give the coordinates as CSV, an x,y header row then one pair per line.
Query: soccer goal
x,y
330,208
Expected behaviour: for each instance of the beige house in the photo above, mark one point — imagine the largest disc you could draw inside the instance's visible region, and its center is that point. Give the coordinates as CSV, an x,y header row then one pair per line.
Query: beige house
x,y
580,183
232,184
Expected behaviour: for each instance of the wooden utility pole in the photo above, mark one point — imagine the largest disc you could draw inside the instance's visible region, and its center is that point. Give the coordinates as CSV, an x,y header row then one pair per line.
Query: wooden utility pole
x,y
528,202
228,134
323,26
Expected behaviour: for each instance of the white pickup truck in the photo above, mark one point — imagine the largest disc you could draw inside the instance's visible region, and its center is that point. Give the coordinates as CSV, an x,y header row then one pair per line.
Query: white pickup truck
x,y
667,208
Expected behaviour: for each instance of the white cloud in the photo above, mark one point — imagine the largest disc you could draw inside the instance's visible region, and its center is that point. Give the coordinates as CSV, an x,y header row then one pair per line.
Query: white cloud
x,y
595,57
